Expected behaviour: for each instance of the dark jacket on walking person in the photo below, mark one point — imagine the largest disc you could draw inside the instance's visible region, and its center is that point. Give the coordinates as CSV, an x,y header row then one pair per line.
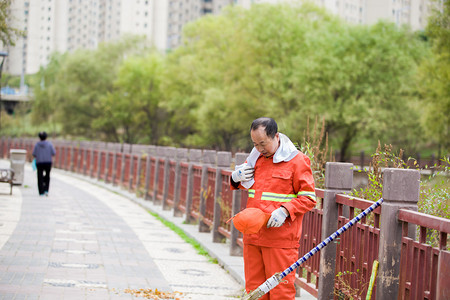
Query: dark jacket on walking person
x,y
43,152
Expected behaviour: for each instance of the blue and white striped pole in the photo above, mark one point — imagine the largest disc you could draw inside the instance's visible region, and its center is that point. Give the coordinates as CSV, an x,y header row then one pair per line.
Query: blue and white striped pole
x,y
276,278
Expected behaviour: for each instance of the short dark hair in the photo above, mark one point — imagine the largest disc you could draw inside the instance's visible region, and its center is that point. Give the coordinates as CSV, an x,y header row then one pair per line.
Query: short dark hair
x,y
43,135
268,124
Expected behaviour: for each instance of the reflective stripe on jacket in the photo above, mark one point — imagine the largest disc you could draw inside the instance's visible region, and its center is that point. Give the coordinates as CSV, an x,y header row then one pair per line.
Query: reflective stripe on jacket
x,y
288,184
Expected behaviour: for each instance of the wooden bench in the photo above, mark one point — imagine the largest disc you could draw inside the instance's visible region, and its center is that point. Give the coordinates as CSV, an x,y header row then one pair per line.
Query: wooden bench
x,y
7,176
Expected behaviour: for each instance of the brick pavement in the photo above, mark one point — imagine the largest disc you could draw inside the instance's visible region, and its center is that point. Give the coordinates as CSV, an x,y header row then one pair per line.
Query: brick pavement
x,y
85,242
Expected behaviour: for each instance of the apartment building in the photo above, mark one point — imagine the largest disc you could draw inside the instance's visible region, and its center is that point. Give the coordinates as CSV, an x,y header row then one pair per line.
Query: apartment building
x,y
65,25
411,12
402,12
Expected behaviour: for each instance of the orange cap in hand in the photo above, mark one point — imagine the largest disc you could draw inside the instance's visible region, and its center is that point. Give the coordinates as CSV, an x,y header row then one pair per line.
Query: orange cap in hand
x,y
250,220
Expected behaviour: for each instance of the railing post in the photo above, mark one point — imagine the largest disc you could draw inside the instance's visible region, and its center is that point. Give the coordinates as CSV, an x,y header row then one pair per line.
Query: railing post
x,y
181,156
9,146
209,160
148,169
171,153
338,180
66,155
223,161
138,173
195,156
91,164
69,158
114,167
122,169
1,146
151,150
85,153
107,166
99,164
401,189
131,173
160,152
235,249
61,156
57,160
72,157
85,147
77,166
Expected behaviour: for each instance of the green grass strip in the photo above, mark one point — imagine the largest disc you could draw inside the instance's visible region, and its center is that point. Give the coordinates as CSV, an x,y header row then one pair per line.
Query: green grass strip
x,y
187,239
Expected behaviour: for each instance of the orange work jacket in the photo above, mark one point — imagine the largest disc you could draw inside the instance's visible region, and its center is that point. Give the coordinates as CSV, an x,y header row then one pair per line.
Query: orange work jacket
x,y
288,184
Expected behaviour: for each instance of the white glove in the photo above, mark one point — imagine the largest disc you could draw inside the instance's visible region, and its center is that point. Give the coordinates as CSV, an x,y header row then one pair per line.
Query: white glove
x,y
277,218
243,174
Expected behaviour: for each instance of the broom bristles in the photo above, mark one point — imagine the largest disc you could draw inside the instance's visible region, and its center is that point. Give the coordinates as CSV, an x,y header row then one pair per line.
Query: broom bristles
x,y
254,295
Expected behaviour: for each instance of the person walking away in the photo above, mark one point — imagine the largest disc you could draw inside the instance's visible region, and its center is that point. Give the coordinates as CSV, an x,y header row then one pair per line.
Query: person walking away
x,y
43,152
280,183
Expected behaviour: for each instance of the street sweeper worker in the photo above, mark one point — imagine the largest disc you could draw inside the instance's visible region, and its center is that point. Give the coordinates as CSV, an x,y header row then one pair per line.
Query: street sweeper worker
x,y
280,184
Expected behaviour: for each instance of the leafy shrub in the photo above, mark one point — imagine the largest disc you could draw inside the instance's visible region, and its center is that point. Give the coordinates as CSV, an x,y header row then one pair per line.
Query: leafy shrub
x,y
315,146
434,190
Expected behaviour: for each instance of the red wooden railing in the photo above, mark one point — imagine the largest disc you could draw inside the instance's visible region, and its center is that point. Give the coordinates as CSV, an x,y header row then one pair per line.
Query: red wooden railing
x,y
356,249
226,204
119,158
110,170
308,273
95,164
208,195
171,183
419,267
184,167
197,186
151,177
102,163
126,170
160,189
140,183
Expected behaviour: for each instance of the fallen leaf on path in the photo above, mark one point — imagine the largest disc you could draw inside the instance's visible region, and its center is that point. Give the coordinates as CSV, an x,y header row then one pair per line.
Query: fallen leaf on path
x,y
154,294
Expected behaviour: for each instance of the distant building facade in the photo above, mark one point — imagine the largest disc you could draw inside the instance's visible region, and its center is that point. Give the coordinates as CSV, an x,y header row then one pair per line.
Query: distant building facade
x,y
411,12
66,25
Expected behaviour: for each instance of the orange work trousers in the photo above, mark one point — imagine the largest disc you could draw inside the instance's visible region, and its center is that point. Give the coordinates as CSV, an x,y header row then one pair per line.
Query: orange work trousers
x,y
260,263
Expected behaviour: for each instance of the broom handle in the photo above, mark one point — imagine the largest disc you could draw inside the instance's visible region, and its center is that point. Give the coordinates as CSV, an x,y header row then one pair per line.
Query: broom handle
x,y
331,238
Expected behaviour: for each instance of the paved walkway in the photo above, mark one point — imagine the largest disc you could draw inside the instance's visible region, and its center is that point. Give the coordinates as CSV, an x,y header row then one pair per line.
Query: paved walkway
x,y
87,240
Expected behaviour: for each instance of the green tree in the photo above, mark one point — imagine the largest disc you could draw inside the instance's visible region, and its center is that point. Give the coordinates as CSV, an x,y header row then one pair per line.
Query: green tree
x,y
361,79
73,84
8,33
131,112
289,62
47,95
434,77
198,90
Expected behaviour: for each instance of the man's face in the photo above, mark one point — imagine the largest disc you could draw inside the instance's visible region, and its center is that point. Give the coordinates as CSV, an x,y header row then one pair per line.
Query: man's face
x,y
264,144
